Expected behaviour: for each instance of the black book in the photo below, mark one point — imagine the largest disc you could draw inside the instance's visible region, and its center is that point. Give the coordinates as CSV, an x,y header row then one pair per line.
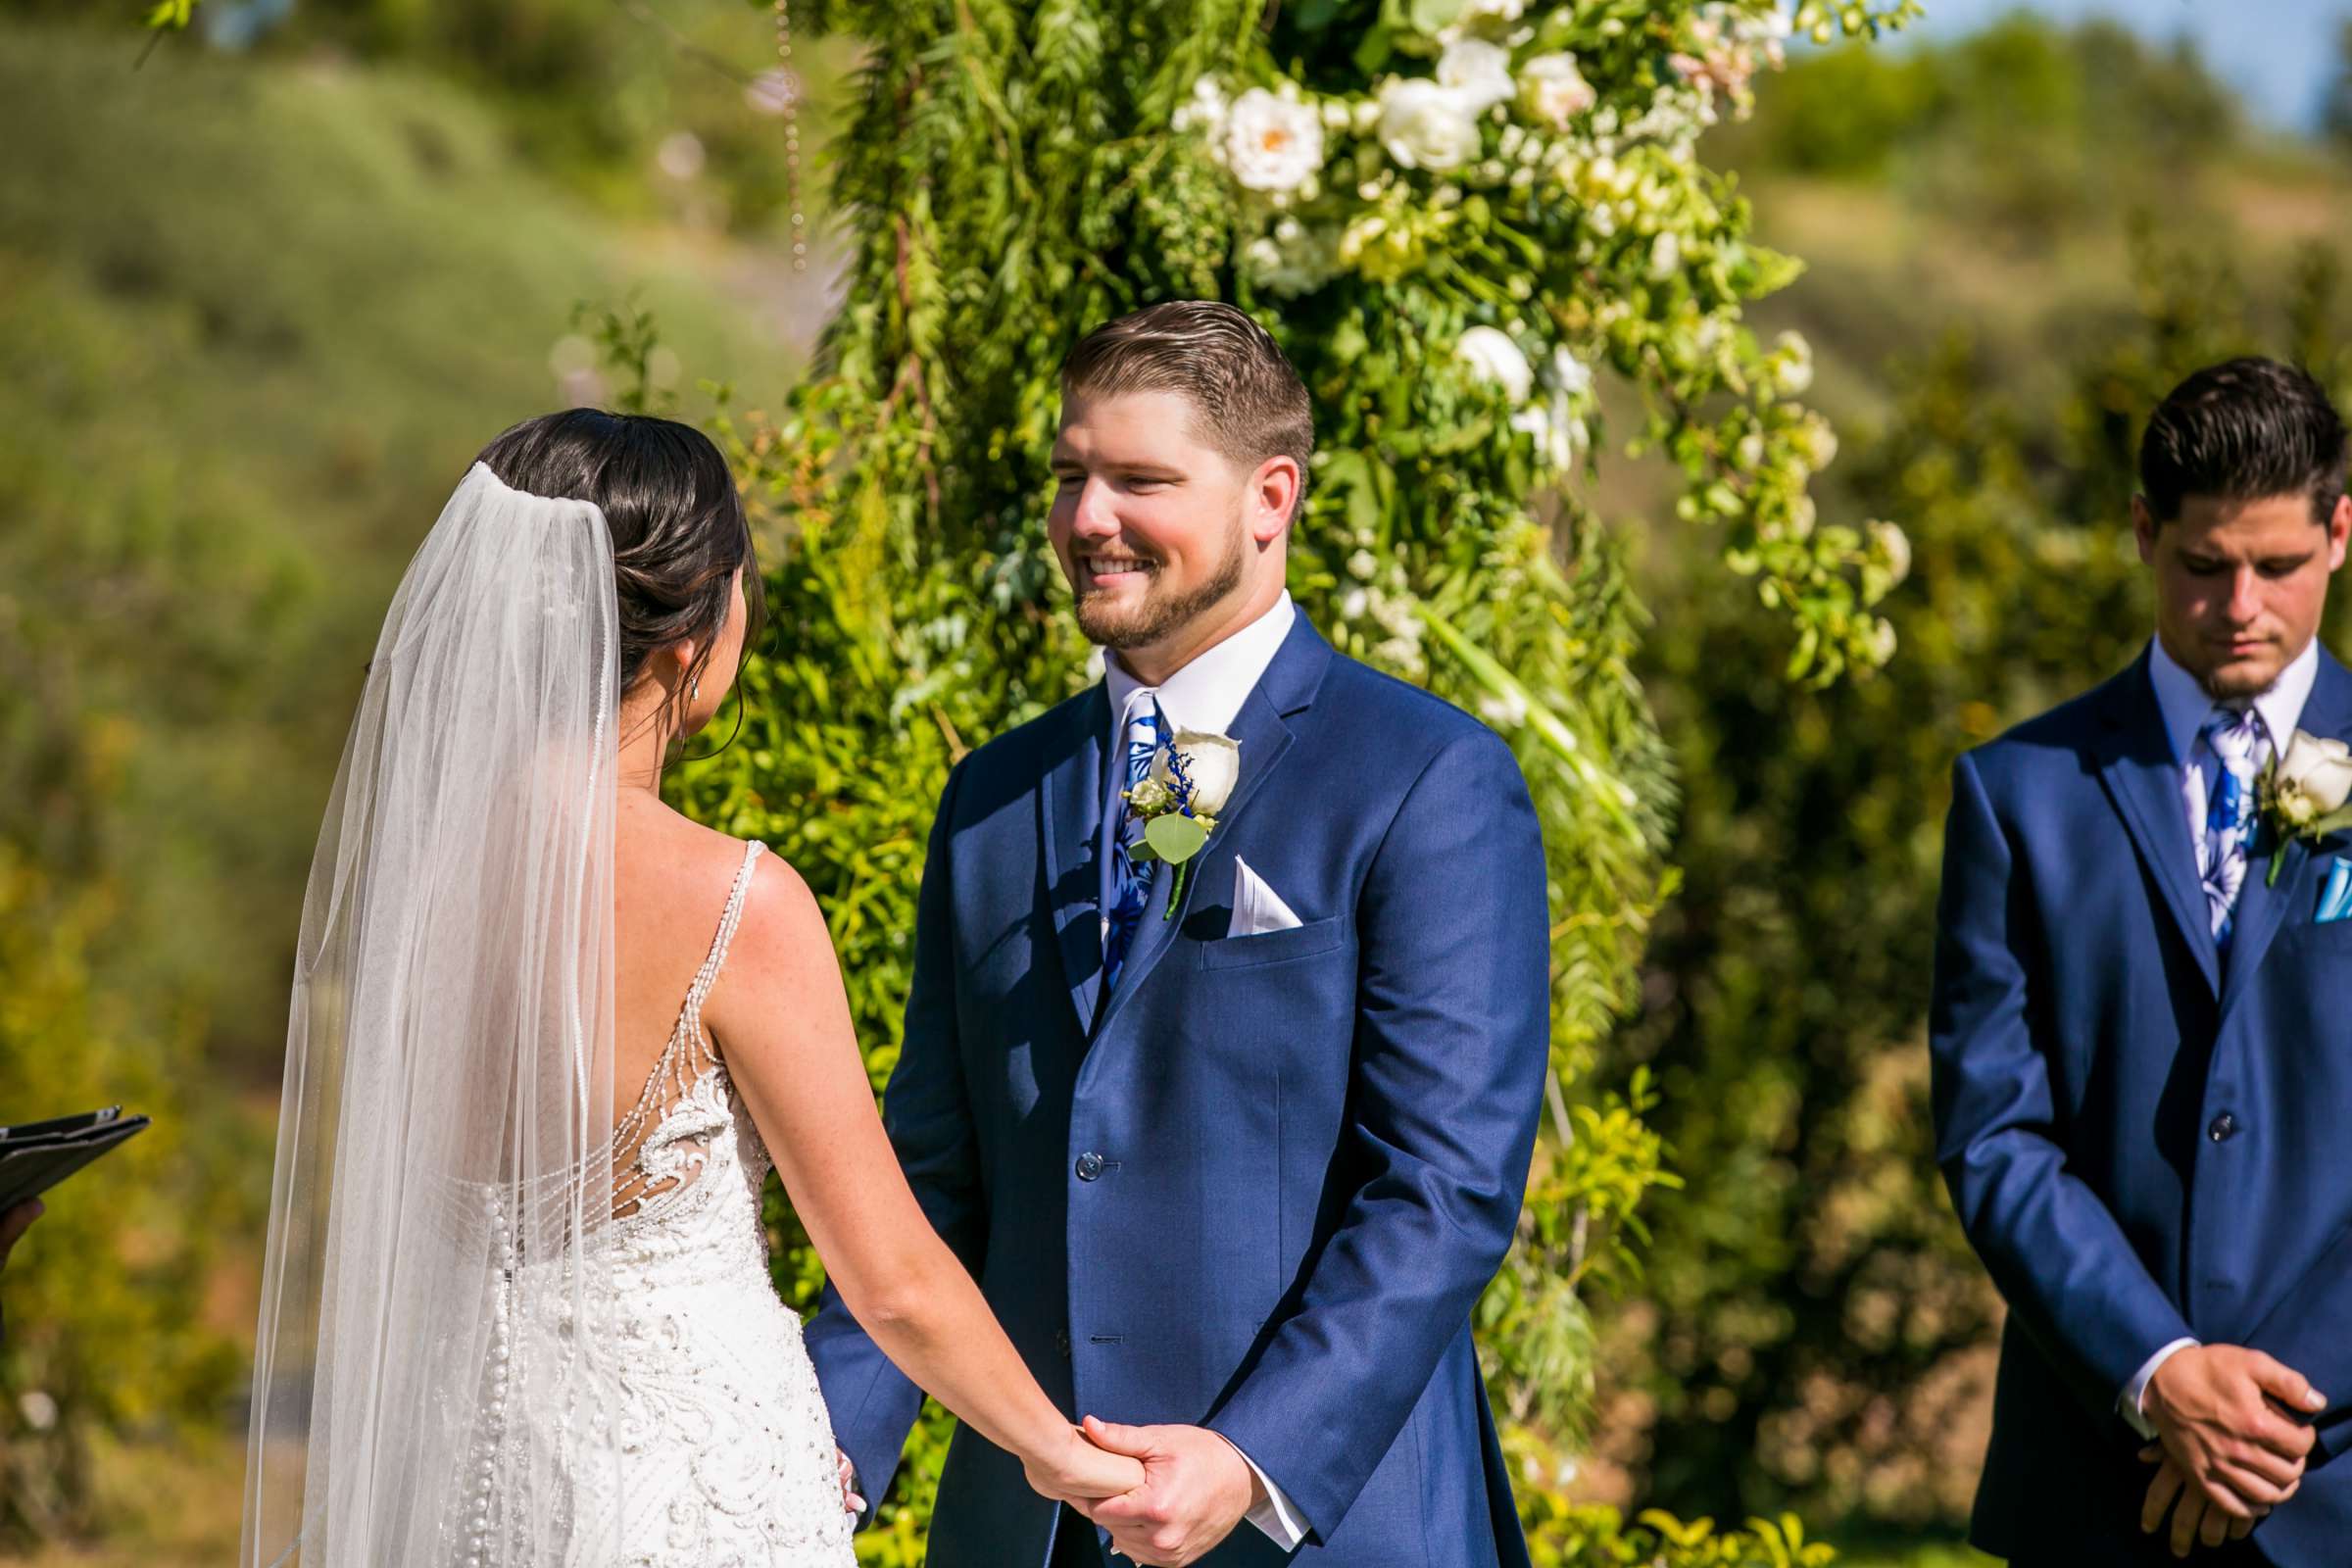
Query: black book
x,y
38,1155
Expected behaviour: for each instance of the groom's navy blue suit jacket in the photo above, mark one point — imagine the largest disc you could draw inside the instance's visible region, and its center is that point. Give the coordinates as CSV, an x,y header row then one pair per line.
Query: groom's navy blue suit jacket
x,y
1259,1185
2145,1139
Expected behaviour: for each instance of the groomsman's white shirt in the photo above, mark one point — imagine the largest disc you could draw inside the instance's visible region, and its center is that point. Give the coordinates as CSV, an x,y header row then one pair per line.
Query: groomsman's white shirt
x,y
1208,695
2186,705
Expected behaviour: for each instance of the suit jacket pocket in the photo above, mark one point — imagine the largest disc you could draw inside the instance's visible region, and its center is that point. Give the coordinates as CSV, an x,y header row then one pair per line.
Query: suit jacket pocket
x,y
1275,947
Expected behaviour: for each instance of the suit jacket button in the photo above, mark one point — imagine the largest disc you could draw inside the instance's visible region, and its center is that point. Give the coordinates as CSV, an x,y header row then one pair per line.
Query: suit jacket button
x,y
1089,1165
2224,1128
1062,1342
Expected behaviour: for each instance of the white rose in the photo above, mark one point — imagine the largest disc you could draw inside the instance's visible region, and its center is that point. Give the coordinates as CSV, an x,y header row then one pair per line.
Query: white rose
x,y
1211,762
1480,72
1572,375
2319,769
1272,144
1554,91
1426,125
1496,358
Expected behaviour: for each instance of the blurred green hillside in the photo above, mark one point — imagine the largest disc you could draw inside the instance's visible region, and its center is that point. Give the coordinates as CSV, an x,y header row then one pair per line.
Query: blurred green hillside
x,y
256,311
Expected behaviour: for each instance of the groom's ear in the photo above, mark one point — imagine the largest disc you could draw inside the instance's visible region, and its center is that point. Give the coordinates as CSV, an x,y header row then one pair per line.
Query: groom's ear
x,y
2144,527
2340,529
1274,497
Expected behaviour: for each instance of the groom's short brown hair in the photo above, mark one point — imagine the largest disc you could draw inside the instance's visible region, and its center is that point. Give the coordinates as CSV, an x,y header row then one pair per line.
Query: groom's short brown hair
x,y
1250,404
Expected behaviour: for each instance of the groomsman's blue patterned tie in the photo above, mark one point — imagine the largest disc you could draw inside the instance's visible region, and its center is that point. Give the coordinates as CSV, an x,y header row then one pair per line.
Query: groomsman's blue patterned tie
x,y
2233,736
1130,884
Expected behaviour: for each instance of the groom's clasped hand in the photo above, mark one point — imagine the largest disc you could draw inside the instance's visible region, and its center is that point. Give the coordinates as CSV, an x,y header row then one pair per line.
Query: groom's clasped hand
x,y
2226,1454
1196,1488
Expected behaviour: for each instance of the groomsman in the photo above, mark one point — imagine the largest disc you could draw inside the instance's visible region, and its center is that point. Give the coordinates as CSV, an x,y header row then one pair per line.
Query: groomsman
x,y
2142,1033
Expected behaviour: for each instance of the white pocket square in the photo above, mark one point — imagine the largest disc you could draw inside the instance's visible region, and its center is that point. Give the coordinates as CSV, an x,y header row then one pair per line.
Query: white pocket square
x,y
1256,907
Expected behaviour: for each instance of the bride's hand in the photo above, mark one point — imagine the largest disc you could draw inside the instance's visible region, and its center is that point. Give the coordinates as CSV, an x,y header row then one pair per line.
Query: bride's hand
x,y
1077,1471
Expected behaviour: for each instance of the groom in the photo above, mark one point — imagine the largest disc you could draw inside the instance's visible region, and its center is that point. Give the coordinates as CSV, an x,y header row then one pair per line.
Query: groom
x,y
2143,1034
1231,1163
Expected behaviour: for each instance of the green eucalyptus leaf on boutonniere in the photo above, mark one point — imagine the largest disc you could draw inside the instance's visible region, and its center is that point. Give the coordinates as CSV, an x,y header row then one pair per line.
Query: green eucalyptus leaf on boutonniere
x,y
1175,839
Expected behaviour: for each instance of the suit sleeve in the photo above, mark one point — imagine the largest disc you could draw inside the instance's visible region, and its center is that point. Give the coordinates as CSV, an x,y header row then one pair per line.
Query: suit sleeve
x,y
2306,1331
2053,1248
873,1404
1451,1041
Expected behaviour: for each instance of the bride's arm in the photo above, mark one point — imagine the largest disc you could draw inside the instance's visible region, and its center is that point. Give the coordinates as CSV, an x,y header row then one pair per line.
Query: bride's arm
x,y
782,1020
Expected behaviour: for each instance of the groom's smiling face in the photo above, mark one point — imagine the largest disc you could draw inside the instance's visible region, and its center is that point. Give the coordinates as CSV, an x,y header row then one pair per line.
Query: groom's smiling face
x,y
1168,544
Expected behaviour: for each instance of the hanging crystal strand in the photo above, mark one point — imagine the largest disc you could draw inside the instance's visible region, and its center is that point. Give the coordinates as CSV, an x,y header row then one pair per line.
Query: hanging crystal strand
x,y
792,137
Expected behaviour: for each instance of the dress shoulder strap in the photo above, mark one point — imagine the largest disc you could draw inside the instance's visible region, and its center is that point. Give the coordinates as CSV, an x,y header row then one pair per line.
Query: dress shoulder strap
x,y
689,1021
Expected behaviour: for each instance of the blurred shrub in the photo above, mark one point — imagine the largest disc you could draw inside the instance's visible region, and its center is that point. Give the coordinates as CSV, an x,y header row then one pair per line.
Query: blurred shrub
x,y
2024,127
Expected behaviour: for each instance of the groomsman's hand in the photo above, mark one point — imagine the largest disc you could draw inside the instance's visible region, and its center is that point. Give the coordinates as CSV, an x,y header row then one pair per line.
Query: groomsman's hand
x,y
1196,1487
2211,1405
2197,1519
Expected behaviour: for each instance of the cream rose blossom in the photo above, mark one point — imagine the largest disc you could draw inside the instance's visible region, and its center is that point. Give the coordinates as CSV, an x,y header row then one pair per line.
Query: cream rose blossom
x,y
1273,143
1212,762
1427,125
1480,72
1554,92
1491,352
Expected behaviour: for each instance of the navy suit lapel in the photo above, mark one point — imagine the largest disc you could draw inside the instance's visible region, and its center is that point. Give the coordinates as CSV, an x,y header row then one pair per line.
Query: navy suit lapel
x,y
1287,686
1069,813
2143,779
2263,909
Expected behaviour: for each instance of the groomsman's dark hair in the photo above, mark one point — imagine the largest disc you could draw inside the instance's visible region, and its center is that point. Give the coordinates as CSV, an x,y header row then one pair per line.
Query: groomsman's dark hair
x,y
2244,430
1251,404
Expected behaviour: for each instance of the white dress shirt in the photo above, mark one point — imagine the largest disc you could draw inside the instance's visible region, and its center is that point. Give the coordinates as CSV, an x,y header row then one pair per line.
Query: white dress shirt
x,y
2185,705
1208,695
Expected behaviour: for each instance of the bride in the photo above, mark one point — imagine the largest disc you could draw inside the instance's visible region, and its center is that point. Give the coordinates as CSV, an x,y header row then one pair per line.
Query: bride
x,y
546,1036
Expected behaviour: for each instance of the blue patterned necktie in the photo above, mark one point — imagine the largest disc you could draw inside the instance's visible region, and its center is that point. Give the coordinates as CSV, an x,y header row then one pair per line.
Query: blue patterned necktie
x,y
1144,730
2233,737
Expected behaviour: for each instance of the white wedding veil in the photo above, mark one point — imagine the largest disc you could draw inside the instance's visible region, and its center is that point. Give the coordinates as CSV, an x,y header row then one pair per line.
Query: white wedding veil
x,y
431,1380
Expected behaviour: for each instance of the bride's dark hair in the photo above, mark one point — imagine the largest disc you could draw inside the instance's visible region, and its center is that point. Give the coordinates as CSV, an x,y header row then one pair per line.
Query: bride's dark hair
x,y
676,520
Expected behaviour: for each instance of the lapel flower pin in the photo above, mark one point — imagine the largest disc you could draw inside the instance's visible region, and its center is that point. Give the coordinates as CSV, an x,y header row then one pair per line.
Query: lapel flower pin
x,y
1191,778
2305,790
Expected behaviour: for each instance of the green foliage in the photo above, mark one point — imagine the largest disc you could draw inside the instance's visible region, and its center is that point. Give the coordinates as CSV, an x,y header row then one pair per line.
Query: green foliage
x,y
1813,1327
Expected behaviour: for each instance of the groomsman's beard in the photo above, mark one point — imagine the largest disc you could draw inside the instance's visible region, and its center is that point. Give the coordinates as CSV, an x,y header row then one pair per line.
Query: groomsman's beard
x,y
1162,613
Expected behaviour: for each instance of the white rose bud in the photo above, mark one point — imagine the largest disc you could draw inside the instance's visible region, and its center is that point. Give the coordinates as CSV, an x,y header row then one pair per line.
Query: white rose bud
x,y
1496,358
1425,125
1480,72
2317,769
1214,763
1554,91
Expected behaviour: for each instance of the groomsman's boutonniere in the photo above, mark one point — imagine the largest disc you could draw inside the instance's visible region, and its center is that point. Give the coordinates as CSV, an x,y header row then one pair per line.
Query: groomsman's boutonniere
x,y
2305,790
1178,804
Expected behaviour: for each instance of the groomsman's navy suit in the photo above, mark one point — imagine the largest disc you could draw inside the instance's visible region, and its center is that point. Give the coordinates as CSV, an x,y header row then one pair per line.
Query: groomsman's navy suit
x,y
1259,1184
2146,1139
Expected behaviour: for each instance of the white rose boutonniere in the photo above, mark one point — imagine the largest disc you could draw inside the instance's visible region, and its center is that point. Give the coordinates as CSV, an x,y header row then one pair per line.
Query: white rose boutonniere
x,y
1192,780
2306,790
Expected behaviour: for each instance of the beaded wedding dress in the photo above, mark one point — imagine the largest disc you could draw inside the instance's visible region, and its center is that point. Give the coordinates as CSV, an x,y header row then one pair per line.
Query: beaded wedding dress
x,y
502,1325
727,1455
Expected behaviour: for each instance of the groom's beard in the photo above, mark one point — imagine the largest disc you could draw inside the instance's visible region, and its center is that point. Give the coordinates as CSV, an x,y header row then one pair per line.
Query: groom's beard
x,y
1162,613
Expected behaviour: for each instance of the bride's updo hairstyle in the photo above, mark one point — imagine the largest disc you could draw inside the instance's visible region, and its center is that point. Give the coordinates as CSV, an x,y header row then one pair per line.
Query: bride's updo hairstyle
x,y
676,520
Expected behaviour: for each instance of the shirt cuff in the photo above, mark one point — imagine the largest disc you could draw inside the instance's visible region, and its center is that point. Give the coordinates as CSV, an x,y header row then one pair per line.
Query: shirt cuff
x,y
1277,1517
2132,1406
